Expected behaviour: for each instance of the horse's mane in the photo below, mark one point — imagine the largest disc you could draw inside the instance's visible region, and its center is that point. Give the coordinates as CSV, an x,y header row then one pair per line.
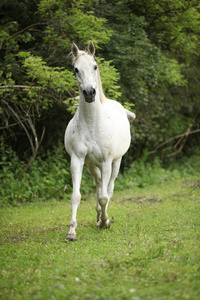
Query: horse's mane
x,y
101,93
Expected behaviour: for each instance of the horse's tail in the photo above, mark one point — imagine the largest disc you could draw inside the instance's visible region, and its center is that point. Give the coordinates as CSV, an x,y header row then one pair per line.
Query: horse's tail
x,y
130,115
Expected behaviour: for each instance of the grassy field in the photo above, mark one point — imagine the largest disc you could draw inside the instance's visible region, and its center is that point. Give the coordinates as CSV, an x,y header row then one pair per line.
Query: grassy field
x,y
152,250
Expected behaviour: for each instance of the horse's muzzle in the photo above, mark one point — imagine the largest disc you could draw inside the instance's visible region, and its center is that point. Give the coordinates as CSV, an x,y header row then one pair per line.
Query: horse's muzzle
x,y
89,94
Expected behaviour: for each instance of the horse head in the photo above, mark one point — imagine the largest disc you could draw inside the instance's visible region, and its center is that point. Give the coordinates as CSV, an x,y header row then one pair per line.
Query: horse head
x,y
85,68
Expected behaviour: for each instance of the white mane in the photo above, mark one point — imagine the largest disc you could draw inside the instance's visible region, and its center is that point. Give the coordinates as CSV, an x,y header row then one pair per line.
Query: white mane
x,y
101,93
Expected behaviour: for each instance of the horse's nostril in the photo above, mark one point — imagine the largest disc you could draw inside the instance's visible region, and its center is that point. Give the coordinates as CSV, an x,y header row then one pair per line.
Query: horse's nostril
x,y
89,92
85,93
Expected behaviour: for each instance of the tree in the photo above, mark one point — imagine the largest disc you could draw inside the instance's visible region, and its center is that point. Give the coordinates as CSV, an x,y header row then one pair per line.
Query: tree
x,y
36,71
155,47
148,48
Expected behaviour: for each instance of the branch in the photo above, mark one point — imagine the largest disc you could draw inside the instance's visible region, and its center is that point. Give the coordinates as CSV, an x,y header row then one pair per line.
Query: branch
x,y
21,174
15,115
11,125
26,28
3,2
64,187
19,86
180,137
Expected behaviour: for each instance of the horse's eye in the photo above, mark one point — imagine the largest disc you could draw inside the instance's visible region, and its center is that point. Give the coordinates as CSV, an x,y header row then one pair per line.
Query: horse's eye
x,y
76,70
95,67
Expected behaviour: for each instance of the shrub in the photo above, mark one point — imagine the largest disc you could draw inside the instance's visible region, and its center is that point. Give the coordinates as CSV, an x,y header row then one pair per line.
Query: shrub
x,y
50,176
46,178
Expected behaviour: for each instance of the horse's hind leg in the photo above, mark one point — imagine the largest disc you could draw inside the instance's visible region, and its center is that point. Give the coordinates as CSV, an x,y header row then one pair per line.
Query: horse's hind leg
x,y
115,171
97,176
76,171
103,195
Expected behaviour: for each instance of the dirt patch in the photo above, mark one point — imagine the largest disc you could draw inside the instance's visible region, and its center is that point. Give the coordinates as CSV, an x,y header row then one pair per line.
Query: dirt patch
x,y
141,199
25,235
194,184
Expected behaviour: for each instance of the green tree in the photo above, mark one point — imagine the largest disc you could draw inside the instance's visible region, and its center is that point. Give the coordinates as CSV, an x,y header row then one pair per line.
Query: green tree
x,y
36,72
149,48
155,47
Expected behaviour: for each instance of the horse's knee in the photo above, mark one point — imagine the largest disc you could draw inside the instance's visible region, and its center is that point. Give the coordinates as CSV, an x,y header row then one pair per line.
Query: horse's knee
x,y
103,201
76,198
98,208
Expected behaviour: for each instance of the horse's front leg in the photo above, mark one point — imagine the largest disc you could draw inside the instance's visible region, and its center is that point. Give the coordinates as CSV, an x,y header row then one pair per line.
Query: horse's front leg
x,y
103,195
76,171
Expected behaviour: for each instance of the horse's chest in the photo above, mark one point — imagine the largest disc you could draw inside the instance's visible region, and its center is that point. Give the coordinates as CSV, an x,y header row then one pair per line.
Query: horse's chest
x,y
98,149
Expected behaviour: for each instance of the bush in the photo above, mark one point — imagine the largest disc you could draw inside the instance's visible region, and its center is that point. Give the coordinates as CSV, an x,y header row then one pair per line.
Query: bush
x,y
46,178
50,176
143,173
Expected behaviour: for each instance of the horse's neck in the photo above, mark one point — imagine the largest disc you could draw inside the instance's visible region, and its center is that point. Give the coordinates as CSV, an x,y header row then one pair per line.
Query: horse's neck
x,y
90,113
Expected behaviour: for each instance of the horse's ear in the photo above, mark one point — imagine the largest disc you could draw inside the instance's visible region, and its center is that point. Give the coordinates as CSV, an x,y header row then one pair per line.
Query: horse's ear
x,y
91,48
74,50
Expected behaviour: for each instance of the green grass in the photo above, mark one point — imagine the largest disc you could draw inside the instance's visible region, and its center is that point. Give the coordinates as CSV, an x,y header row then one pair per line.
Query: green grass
x,y
151,251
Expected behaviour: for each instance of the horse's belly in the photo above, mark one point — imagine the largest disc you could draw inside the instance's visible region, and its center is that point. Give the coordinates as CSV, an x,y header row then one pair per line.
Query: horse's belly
x,y
111,149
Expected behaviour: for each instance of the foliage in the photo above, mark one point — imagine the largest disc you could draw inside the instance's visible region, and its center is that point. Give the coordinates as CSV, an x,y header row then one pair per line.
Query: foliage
x,y
144,173
69,22
47,79
172,24
109,78
36,71
150,252
148,54
50,176
154,46
46,177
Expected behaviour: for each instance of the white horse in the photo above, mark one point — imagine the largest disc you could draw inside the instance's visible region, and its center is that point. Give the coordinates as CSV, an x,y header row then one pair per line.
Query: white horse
x,y
98,134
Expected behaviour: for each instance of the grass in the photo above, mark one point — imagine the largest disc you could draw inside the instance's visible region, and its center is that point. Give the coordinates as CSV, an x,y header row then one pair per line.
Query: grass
x,y
152,251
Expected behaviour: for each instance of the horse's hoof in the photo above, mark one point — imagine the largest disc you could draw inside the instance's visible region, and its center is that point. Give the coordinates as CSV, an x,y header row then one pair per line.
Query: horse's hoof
x,y
105,224
71,237
99,224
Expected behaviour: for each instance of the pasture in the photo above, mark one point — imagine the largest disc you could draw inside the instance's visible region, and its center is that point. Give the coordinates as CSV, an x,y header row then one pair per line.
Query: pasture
x,y
151,250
